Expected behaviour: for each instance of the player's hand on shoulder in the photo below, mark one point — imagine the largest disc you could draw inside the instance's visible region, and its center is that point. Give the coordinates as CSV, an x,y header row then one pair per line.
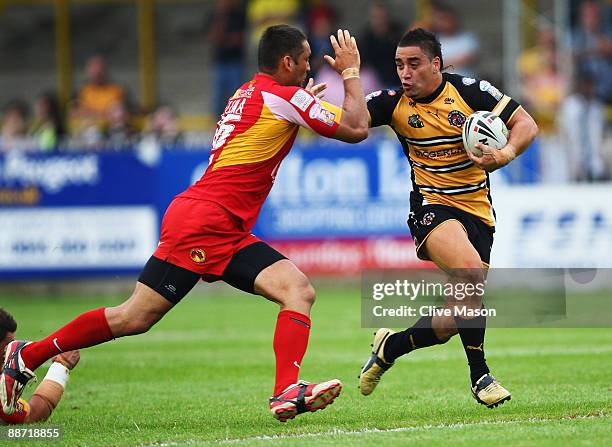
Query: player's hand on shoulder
x,y
69,359
317,90
346,52
492,158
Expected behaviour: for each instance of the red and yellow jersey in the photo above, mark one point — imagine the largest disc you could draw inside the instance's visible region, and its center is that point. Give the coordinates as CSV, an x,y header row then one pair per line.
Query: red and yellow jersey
x,y
253,136
429,130
22,408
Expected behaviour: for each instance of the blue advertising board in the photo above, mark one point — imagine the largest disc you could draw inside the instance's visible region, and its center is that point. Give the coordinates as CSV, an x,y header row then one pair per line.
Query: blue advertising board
x,y
100,212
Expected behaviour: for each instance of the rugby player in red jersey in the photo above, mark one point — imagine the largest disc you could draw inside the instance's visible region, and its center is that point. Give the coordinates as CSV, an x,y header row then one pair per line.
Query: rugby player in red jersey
x,y
206,231
48,394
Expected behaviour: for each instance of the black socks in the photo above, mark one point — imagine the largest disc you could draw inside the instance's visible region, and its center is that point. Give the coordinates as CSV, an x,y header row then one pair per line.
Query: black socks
x,y
472,333
418,336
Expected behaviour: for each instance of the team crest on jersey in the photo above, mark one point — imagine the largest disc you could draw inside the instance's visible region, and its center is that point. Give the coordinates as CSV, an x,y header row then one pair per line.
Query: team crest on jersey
x,y
456,118
373,95
415,121
198,255
427,219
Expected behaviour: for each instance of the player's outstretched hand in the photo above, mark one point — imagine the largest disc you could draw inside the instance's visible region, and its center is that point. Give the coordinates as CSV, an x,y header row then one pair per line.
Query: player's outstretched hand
x,y
68,359
346,52
317,90
491,158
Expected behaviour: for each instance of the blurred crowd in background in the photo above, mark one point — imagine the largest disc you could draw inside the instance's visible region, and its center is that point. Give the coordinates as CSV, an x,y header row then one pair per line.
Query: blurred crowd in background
x,y
571,107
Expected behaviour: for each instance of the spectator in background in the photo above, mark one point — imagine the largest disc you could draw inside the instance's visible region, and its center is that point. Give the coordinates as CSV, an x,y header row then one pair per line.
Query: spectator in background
x,y
543,85
98,94
543,88
321,22
163,126
226,31
48,128
120,133
13,133
89,115
377,44
581,123
264,13
592,47
460,48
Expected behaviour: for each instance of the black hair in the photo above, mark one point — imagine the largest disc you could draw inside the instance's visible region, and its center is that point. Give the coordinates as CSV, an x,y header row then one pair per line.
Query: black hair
x,y
276,42
425,40
7,323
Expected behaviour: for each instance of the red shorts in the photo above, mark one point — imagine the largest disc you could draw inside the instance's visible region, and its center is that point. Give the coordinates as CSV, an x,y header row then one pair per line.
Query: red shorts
x,y
201,236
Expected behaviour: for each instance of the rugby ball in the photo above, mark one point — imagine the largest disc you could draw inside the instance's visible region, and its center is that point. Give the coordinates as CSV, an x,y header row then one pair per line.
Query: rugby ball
x,y
486,128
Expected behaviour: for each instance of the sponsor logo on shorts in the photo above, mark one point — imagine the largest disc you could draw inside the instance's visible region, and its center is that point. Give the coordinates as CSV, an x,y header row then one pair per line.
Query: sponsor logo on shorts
x,y
428,219
198,255
456,118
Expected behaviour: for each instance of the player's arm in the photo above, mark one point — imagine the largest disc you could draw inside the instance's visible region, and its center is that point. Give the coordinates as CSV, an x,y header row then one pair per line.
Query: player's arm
x,y
353,125
523,130
48,394
481,95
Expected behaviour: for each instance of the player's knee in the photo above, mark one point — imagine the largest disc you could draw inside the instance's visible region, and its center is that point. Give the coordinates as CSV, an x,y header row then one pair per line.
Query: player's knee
x,y
123,322
307,293
472,273
300,291
139,326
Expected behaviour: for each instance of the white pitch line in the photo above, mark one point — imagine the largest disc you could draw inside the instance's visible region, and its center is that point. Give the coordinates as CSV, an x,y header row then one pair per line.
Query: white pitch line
x,y
364,431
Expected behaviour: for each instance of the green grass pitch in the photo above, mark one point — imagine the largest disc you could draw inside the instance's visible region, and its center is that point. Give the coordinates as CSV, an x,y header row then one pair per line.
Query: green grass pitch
x,y
203,375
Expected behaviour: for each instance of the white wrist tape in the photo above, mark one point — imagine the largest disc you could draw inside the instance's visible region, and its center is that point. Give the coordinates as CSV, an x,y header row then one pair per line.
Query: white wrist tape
x,y
58,373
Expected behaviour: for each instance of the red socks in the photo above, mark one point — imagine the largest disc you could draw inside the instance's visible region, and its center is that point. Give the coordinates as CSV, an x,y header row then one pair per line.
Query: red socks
x,y
290,342
91,328
88,329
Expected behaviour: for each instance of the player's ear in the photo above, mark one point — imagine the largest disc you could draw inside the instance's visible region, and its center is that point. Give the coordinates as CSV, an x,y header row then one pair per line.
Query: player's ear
x,y
436,65
287,62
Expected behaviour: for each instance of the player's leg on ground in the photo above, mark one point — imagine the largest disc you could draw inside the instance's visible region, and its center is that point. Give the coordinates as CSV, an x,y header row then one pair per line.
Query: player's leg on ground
x,y
259,269
143,309
286,285
159,287
450,249
448,246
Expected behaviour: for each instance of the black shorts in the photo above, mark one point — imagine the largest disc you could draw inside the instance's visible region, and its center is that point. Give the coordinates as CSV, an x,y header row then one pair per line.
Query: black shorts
x,y
428,217
174,282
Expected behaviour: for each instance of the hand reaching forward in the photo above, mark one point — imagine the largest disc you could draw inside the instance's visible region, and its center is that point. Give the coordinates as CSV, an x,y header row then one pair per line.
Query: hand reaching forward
x,y
346,52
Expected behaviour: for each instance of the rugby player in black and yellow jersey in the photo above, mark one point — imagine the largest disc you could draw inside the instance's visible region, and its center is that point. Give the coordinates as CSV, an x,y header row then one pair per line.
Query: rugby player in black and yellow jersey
x,y
451,215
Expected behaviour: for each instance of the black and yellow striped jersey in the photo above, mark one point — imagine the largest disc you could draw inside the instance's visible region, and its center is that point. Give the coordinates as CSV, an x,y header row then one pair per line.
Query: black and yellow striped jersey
x,y
429,130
